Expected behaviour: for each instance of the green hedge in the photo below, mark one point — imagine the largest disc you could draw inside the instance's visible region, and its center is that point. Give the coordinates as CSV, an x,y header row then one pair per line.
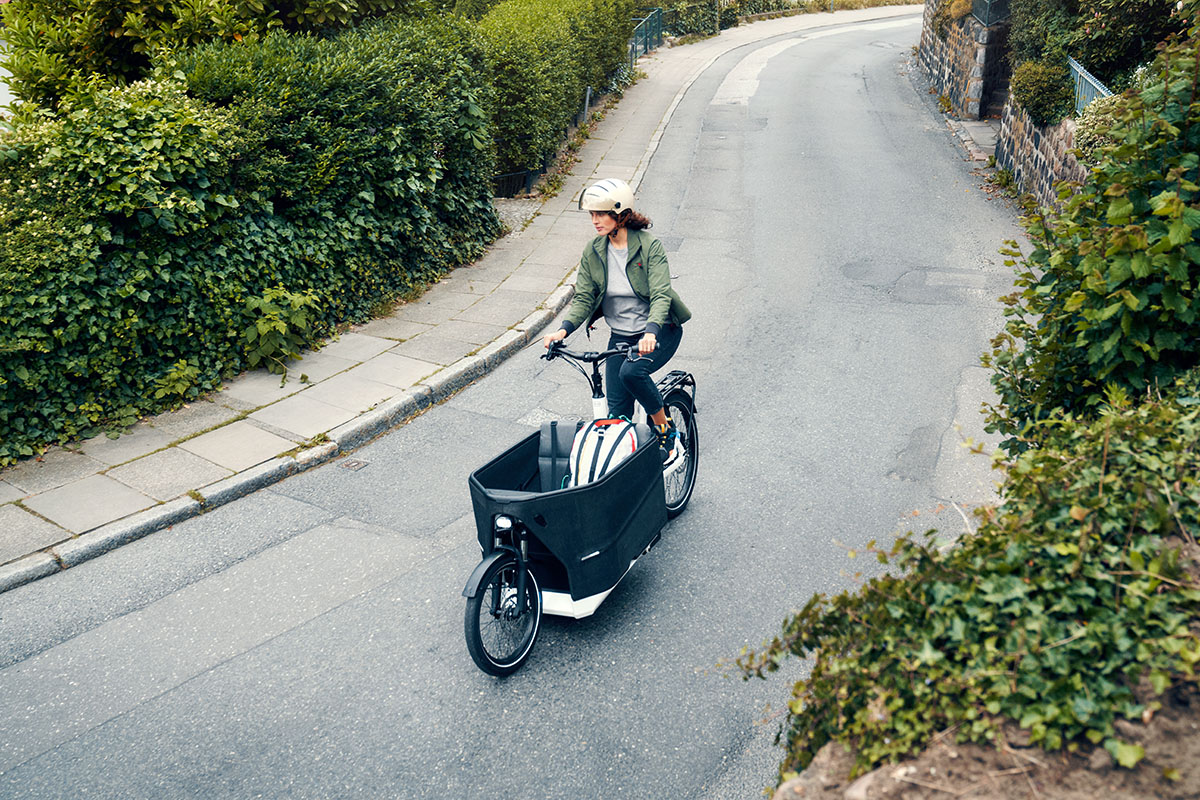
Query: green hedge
x,y
689,18
542,55
57,48
145,230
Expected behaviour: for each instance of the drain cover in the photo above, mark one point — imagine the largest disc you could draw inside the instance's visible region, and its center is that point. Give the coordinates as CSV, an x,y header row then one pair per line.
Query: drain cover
x,y
352,464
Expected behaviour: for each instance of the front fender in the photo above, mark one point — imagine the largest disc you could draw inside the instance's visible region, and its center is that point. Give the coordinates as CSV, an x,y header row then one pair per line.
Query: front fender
x,y
472,587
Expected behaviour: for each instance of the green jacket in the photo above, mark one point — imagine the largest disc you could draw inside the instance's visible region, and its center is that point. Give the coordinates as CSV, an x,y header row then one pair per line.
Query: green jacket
x,y
648,274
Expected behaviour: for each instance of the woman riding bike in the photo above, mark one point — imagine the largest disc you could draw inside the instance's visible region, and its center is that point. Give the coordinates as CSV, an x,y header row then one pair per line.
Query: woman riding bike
x,y
623,275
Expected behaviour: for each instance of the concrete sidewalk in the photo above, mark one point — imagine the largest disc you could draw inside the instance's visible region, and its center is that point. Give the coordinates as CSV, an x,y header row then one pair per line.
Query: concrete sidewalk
x,y
80,501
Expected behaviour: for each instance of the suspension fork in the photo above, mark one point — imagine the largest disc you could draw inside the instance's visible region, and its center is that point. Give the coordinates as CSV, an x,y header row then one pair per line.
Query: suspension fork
x,y
520,549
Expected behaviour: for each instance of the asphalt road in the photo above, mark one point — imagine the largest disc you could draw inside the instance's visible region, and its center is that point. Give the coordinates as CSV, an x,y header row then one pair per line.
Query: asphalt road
x,y
307,641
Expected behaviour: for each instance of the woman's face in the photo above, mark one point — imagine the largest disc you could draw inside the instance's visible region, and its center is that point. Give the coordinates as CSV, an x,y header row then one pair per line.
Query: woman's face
x,y
603,222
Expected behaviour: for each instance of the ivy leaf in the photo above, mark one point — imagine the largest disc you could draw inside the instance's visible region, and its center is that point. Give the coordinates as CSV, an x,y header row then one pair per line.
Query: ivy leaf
x,y
1125,754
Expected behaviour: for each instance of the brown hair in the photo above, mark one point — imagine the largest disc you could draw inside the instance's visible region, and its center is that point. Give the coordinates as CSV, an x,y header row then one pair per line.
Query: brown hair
x,y
631,219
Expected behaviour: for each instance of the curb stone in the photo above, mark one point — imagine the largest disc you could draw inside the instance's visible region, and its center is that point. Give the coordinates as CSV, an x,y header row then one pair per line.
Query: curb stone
x,y
253,479
26,570
382,418
84,547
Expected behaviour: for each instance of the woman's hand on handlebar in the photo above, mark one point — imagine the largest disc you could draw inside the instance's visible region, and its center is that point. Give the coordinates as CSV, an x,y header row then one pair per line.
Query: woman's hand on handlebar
x,y
647,344
551,338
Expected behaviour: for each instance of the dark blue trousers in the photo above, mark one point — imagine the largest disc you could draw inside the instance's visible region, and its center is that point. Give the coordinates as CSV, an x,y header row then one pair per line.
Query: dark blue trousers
x,y
630,380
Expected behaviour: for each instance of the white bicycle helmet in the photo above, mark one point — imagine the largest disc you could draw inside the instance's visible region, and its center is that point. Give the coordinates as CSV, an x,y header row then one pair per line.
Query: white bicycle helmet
x,y
609,194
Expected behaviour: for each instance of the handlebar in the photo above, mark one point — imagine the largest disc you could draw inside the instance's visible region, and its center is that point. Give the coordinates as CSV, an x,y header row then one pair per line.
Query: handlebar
x,y
557,350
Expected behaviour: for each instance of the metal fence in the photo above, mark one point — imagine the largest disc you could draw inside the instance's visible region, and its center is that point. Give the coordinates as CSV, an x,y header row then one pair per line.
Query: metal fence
x,y
1087,87
989,12
647,35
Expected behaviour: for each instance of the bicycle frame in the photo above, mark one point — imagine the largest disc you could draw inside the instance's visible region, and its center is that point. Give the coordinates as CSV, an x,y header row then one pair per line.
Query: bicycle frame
x,y
675,379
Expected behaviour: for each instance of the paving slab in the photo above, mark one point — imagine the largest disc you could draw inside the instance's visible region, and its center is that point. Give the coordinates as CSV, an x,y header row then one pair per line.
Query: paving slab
x,y
89,503
473,332
503,308
395,370
435,349
469,284
354,347
352,392
143,439
445,297
169,473
395,329
197,416
561,250
238,446
317,365
56,468
422,312
260,388
22,533
533,283
302,415
8,492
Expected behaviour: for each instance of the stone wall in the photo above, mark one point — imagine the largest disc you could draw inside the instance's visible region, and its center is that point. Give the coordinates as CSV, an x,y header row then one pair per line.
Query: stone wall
x,y
1038,156
968,64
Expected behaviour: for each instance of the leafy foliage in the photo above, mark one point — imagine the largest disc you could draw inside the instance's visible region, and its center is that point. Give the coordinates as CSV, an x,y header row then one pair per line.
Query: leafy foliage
x,y
949,11
59,47
1109,292
136,225
1044,90
279,329
1093,124
542,54
1112,38
691,18
1067,596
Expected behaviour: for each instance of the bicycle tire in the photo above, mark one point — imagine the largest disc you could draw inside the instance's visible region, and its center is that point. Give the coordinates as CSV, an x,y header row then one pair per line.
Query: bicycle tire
x,y
499,643
679,480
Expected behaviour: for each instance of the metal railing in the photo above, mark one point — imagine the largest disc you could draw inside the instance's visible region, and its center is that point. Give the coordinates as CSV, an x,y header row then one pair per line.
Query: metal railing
x,y
989,12
1087,87
647,35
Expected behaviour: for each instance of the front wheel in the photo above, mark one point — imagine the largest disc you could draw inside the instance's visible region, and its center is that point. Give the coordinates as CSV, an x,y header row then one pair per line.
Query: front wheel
x,y
500,627
679,474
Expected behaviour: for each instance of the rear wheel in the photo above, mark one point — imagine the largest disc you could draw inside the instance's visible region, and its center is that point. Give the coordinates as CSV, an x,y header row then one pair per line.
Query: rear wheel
x,y
679,475
500,627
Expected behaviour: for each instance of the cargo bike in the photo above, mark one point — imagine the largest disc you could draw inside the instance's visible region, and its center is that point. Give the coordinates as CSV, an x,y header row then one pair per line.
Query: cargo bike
x,y
557,537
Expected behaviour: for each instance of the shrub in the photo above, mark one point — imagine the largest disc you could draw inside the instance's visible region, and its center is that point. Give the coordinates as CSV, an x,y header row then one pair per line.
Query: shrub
x,y
1112,38
1109,37
54,51
136,228
1068,596
1092,126
98,304
1044,90
691,19
1109,292
542,54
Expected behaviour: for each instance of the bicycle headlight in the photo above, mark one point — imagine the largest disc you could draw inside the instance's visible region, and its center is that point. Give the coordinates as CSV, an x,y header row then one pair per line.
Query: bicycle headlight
x,y
503,523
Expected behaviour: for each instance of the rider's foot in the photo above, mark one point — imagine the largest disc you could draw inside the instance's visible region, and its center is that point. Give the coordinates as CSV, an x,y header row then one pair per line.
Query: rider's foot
x,y
668,438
